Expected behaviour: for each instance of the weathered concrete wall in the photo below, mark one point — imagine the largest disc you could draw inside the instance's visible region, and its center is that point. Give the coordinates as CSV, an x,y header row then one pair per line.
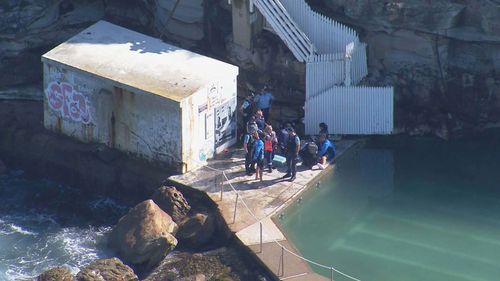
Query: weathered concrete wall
x,y
208,122
93,109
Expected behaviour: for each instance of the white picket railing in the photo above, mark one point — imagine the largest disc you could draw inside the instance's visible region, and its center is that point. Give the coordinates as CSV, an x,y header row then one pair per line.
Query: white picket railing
x,y
321,75
327,35
286,28
351,110
359,63
335,59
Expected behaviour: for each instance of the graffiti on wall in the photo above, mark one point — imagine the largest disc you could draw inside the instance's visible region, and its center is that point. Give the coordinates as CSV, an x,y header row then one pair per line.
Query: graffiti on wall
x,y
64,99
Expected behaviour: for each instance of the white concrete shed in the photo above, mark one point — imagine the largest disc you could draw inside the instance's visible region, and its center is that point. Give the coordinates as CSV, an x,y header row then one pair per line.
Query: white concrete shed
x,y
138,94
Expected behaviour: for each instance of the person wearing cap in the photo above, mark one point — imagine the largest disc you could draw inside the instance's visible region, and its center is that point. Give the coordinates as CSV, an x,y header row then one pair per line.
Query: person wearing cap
x,y
292,149
246,108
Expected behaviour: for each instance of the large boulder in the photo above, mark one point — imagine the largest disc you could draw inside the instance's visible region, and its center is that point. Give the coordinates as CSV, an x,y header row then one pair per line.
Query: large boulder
x,y
56,274
145,235
196,230
107,270
172,202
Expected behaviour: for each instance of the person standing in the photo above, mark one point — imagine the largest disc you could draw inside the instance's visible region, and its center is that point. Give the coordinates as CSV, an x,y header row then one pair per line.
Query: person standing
x,y
246,108
292,149
258,156
260,120
270,142
264,101
248,143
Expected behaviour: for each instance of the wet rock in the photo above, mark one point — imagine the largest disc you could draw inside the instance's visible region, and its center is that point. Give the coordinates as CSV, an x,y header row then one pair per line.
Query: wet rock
x,y
56,274
107,270
196,230
145,235
170,200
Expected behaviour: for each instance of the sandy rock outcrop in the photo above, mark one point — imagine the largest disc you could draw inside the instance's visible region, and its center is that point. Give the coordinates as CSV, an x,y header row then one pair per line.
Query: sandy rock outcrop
x,y
107,270
145,235
170,200
56,274
196,230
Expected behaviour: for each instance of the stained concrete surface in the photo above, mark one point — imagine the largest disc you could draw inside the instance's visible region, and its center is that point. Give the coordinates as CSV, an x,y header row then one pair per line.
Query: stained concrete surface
x,y
257,203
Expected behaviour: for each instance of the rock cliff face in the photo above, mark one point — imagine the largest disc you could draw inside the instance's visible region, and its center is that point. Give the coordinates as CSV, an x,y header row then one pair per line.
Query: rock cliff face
x,y
442,56
29,28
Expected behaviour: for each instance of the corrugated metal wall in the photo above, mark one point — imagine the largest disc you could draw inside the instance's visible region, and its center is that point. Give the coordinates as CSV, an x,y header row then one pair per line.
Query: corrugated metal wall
x,y
322,75
359,66
351,111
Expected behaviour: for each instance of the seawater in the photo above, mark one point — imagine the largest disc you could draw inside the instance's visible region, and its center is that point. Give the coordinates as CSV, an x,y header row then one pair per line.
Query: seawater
x,y
44,224
406,209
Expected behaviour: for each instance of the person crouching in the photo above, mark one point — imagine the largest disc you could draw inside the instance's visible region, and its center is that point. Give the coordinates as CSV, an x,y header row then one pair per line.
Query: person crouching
x,y
258,156
326,152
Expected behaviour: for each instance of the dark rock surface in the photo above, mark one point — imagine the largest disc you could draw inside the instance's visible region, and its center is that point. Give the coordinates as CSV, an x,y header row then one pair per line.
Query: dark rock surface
x,y
222,264
56,274
107,270
145,235
170,200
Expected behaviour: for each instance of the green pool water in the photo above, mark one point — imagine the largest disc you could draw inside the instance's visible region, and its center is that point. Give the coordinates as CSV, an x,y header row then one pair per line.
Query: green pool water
x,y
407,210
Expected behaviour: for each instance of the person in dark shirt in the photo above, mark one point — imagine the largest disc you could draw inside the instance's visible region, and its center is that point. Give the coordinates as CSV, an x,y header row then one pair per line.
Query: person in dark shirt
x,y
292,149
248,143
247,108
323,129
259,119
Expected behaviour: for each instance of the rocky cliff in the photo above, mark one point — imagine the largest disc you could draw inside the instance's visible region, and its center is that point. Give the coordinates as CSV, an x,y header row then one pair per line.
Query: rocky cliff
x,y
443,57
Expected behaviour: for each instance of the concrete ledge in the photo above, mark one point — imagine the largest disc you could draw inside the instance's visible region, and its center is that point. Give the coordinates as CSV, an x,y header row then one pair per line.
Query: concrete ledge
x,y
257,202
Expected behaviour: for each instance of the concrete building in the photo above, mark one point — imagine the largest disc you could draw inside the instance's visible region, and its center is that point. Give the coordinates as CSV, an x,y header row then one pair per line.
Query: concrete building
x,y
140,95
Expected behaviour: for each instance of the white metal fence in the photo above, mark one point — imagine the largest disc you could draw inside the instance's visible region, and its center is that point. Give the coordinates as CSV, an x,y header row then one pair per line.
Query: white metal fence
x,y
359,64
322,75
327,35
351,110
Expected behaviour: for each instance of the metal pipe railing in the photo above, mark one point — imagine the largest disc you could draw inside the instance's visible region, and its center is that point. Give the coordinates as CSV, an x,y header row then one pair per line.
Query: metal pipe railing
x,y
281,266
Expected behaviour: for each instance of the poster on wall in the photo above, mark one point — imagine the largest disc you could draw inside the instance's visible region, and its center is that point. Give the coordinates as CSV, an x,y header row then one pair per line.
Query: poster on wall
x,y
225,124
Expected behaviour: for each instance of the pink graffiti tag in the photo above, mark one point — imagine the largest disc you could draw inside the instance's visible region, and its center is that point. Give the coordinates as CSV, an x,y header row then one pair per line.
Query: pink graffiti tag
x,y
61,97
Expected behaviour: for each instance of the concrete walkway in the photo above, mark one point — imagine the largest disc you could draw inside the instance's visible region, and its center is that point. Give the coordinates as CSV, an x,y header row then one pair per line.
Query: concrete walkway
x,y
257,203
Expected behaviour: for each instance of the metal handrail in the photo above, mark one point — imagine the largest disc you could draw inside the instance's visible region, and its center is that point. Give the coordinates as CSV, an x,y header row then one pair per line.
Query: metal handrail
x,y
331,268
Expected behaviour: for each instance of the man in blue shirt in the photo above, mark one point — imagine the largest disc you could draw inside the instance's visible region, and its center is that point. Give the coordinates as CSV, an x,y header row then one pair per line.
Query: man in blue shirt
x,y
258,155
264,101
326,151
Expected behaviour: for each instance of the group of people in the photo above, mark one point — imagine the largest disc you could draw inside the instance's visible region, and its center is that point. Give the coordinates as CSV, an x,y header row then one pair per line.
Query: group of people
x,y
261,143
